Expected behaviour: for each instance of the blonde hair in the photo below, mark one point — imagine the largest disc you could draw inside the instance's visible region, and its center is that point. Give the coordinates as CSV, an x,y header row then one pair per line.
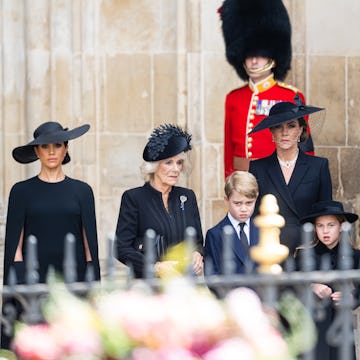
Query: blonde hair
x,y
242,182
148,168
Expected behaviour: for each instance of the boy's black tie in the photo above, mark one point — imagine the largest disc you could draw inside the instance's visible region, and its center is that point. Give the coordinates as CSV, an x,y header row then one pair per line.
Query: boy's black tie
x,y
243,237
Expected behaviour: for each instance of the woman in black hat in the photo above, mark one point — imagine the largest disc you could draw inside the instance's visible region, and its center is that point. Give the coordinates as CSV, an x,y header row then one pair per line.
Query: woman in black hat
x,y
159,204
328,218
296,179
49,206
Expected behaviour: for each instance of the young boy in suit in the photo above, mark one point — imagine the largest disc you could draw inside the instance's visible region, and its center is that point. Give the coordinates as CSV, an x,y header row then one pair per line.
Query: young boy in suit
x,y
241,192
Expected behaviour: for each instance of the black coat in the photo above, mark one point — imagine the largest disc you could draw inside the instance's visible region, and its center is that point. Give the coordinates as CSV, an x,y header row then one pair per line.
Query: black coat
x,y
323,350
310,182
142,208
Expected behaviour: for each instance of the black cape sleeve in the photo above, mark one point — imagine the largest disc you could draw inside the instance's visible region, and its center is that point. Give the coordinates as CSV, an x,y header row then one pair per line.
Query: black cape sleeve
x,y
14,225
88,218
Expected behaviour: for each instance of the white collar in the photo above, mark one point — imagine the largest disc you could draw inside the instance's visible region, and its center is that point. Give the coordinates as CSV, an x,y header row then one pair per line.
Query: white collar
x,y
235,222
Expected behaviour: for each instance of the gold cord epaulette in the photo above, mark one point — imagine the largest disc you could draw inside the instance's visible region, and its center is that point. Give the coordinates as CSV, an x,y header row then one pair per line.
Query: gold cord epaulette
x,y
288,86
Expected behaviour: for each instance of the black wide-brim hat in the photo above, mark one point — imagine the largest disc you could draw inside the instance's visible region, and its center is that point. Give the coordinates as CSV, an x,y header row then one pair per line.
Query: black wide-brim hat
x,y
166,141
47,133
284,112
329,207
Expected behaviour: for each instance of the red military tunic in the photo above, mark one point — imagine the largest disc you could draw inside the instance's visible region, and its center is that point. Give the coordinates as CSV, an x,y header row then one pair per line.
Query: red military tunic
x,y
245,108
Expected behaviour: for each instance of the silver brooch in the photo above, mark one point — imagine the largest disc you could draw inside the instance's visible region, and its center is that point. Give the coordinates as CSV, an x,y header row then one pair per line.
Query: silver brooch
x,y
183,198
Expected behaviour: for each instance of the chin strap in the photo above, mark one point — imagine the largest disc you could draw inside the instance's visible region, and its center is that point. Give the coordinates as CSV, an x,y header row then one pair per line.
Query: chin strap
x,y
266,67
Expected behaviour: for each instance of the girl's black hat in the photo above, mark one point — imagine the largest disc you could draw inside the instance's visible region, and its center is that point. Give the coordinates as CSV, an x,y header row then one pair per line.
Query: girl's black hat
x,y
329,207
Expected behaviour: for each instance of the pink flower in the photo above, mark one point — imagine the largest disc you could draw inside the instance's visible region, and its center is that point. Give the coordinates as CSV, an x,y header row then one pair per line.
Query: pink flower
x,y
168,353
36,342
77,340
253,323
234,348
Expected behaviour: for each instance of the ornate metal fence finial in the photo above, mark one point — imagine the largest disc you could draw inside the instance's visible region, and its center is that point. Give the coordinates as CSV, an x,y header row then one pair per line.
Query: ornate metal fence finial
x,y
269,253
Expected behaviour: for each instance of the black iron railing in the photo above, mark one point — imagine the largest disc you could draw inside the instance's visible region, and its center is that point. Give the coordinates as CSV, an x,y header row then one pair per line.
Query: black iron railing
x,y
268,286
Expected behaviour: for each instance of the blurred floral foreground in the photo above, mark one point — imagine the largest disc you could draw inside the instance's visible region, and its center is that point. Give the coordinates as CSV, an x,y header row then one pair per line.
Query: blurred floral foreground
x,y
182,322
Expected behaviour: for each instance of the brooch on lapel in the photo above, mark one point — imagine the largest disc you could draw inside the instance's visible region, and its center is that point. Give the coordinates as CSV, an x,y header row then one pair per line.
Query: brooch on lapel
x,y
183,198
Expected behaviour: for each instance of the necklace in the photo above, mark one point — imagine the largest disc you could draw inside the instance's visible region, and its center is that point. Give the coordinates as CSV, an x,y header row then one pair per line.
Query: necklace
x,y
288,164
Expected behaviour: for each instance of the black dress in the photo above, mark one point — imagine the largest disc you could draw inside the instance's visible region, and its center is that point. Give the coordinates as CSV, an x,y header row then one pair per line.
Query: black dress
x,y
142,208
323,350
50,211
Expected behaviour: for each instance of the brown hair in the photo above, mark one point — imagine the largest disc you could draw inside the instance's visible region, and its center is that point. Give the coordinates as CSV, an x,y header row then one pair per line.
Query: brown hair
x,y
304,135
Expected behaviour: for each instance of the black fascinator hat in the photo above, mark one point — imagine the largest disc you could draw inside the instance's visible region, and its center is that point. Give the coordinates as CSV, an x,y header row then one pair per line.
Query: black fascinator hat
x,y
256,28
166,141
328,207
47,133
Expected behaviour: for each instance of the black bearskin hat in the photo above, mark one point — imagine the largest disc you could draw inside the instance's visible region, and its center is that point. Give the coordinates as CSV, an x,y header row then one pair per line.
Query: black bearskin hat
x,y
256,28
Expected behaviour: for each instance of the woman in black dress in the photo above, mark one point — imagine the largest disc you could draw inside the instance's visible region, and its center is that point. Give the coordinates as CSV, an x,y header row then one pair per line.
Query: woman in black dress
x,y
328,217
49,206
159,204
296,179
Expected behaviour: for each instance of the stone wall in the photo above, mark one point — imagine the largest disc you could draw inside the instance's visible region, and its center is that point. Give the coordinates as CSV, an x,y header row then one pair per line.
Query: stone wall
x,y
125,66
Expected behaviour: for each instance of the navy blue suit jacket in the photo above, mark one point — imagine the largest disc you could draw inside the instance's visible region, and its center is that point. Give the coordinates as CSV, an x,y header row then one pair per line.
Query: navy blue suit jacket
x,y
214,245
310,182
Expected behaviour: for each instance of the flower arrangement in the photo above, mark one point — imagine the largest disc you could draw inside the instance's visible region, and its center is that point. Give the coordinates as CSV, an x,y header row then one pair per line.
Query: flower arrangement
x,y
183,322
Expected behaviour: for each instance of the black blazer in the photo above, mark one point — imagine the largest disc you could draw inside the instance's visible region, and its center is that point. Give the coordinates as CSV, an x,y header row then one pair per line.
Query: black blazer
x,y
142,208
214,248
310,182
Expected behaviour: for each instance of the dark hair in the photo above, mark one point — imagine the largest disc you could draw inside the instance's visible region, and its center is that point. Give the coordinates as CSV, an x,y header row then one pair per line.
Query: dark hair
x,y
64,142
304,135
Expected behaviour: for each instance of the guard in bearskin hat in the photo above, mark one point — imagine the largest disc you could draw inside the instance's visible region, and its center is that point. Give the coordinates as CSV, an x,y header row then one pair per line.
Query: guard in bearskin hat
x,y
257,35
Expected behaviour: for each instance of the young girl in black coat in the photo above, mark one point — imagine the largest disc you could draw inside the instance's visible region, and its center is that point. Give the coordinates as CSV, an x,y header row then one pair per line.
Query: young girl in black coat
x,y
328,218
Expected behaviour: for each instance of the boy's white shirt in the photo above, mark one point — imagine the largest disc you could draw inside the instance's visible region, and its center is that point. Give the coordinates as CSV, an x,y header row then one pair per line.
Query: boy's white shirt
x,y
235,224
